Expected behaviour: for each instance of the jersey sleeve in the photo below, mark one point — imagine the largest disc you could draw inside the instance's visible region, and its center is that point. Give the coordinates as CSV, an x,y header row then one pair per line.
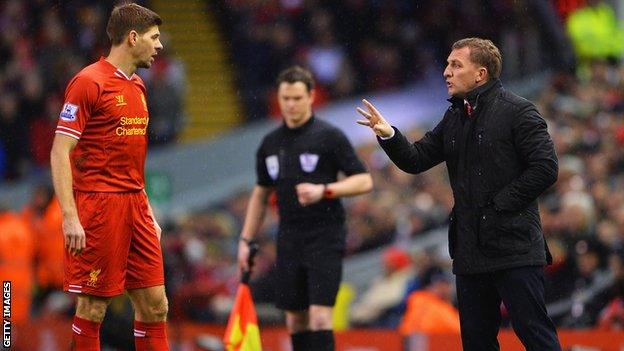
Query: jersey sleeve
x,y
80,98
345,156
262,165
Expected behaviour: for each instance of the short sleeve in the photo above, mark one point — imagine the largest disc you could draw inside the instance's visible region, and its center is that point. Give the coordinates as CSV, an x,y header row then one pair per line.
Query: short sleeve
x,y
345,156
263,163
80,98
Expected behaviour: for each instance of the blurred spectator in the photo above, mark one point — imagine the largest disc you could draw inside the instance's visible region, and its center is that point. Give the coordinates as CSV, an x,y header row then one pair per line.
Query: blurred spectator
x,y
565,7
596,32
166,88
43,215
165,106
590,262
430,310
612,316
384,292
16,266
14,136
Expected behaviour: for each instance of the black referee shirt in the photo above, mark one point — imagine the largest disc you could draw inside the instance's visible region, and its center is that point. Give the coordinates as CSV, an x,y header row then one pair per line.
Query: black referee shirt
x,y
312,153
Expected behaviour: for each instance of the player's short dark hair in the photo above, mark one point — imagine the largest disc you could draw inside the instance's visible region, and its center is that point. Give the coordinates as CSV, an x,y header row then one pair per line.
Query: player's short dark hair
x,y
127,17
296,74
483,52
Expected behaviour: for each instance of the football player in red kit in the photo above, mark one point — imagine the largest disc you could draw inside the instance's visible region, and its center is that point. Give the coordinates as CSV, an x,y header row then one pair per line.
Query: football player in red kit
x,y
97,159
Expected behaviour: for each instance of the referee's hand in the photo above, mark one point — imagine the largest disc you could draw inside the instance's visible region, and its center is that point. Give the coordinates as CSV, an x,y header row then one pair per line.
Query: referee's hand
x,y
74,235
308,193
374,120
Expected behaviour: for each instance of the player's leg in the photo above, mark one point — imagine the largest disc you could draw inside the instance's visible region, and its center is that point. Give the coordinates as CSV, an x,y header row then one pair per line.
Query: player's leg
x,y
522,290
97,273
479,312
90,311
150,317
145,280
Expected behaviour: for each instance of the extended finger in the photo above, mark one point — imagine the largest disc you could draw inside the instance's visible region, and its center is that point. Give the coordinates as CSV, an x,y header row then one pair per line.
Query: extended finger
x,y
363,122
363,113
371,108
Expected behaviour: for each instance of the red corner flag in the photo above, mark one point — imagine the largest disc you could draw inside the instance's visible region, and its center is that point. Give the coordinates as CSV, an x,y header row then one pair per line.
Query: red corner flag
x,y
242,332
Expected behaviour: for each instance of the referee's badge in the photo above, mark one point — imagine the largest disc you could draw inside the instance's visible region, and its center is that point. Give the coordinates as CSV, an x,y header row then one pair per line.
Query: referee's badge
x,y
308,162
272,165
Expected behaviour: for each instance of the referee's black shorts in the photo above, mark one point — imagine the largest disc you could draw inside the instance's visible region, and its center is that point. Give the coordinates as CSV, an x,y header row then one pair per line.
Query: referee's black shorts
x,y
309,266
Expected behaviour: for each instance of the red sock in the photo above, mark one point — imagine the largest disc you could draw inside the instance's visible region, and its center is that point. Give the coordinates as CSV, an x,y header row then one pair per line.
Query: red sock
x,y
86,335
150,336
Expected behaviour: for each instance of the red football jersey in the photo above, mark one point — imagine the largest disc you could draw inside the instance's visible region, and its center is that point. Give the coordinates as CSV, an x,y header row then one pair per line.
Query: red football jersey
x,y
107,112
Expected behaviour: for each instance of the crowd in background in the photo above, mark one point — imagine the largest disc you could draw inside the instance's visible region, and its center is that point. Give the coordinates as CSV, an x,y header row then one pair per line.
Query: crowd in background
x,y
360,46
43,44
582,215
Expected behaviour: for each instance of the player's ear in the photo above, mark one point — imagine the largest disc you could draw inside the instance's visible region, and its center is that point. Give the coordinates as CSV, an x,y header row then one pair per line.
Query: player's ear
x,y
133,37
312,94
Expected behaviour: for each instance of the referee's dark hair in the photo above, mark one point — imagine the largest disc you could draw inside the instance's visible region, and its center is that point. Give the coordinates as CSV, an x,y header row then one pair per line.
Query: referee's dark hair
x,y
296,74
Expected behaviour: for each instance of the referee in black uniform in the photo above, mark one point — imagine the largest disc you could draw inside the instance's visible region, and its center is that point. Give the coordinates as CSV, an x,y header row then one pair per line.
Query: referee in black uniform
x,y
301,161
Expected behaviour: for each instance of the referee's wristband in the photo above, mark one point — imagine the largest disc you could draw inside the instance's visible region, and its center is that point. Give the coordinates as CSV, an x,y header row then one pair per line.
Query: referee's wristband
x,y
327,192
246,241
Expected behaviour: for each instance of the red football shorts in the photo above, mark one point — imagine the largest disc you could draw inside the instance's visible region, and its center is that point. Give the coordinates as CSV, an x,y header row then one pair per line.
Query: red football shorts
x,y
122,249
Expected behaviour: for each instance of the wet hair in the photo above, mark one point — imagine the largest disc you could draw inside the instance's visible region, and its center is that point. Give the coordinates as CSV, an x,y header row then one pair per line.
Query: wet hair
x,y
127,17
483,52
296,74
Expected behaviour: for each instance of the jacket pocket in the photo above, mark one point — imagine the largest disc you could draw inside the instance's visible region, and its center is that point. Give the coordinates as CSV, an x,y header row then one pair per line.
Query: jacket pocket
x,y
452,233
503,233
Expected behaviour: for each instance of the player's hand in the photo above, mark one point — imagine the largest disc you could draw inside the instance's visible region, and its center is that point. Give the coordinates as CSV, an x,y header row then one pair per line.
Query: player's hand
x,y
374,120
243,255
74,235
308,193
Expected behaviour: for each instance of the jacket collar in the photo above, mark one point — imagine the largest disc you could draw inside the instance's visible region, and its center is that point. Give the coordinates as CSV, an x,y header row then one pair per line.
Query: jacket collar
x,y
480,93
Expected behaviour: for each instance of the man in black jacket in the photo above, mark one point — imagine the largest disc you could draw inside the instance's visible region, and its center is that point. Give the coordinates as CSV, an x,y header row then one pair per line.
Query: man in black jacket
x,y
500,158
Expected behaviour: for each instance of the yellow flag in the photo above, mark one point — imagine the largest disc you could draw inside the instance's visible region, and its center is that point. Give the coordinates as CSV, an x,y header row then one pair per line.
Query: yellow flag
x,y
242,332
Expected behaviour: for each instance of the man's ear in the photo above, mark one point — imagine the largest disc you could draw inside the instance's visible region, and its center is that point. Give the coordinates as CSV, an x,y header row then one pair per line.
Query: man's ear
x,y
133,37
312,95
482,75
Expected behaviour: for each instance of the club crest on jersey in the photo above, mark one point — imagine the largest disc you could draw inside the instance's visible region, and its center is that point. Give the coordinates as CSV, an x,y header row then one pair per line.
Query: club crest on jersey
x,y
308,162
93,277
69,112
272,165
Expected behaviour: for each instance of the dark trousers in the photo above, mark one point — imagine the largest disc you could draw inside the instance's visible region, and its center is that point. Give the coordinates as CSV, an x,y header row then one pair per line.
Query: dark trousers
x,y
522,291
